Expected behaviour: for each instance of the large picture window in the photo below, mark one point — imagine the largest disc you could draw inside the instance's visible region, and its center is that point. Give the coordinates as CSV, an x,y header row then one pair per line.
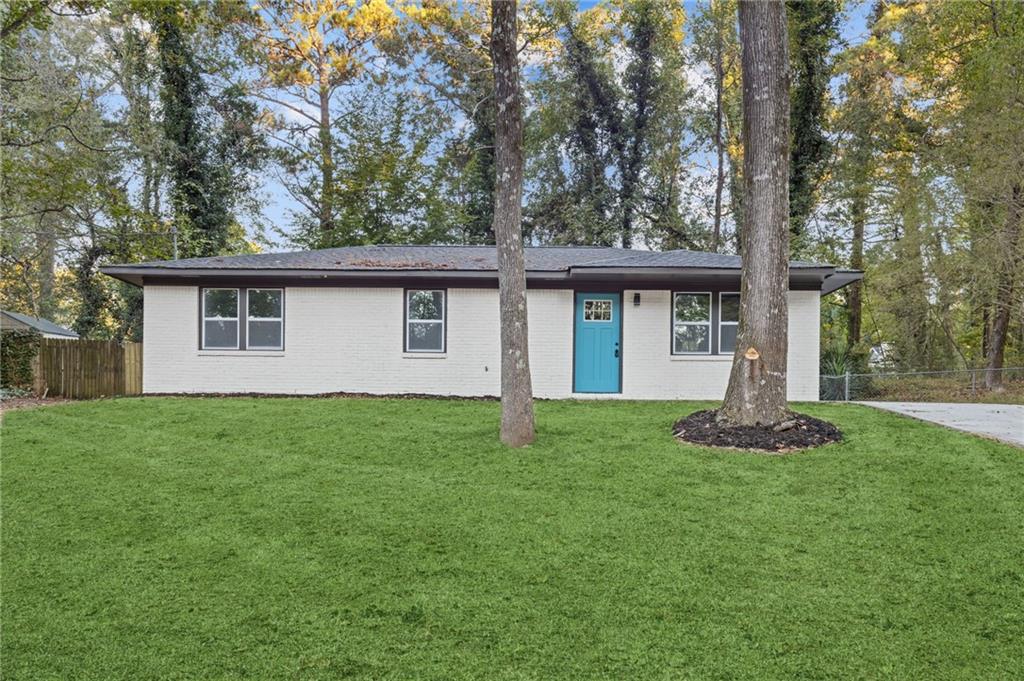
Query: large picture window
x,y
691,323
265,321
424,321
728,321
220,318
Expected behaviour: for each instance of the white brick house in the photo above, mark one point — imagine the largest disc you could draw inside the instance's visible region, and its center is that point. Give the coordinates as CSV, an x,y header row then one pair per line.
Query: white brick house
x,y
604,322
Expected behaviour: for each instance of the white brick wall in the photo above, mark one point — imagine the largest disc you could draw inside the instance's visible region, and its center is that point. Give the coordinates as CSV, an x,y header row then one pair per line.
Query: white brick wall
x,y
350,339
650,371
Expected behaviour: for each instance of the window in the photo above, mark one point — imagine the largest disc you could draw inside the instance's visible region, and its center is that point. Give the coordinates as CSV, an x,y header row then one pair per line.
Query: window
x,y
424,321
597,310
265,320
691,323
728,321
239,318
220,318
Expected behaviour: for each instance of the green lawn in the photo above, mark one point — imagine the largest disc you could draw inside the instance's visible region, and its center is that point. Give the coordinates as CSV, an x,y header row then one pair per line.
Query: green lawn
x,y
299,538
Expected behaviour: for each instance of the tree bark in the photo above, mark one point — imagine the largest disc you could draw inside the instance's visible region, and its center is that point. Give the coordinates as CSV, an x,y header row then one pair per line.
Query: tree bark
x,y
1011,262
516,387
757,385
15,23
719,145
326,216
858,213
46,244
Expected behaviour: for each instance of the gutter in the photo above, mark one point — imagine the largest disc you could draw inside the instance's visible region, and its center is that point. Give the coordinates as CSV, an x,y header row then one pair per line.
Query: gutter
x,y
825,279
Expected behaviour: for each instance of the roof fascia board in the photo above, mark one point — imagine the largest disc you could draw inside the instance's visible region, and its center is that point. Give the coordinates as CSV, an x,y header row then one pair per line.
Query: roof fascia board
x,y
687,271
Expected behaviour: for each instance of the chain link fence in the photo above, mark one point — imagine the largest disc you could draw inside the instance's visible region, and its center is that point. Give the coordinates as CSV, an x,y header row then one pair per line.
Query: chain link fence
x,y
963,385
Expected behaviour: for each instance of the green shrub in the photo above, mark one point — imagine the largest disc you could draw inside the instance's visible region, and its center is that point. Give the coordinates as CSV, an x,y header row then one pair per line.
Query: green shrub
x,y
836,361
18,347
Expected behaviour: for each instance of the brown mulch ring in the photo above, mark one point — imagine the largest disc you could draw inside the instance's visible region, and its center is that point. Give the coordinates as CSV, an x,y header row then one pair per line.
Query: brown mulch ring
x,y
12,403
797,432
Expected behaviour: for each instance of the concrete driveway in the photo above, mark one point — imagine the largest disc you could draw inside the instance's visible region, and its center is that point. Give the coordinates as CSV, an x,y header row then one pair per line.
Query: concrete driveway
x,y
1000,421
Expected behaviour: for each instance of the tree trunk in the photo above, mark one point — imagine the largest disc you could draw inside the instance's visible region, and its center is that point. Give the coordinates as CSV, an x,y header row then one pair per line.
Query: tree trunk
x,y
326,216
516,387
46,245
1010,263
757,385
858,212
985,331
908,299
736,200
719,146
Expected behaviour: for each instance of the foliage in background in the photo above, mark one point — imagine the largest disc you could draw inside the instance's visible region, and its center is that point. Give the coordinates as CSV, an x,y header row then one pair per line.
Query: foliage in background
x,y
609,126
121,133
813,34
125,123
18,348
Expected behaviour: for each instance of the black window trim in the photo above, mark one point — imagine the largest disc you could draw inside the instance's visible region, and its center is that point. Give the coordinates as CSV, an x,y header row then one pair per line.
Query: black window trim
x,y
203,318
264,348
443,321
242,336
720,322
710,323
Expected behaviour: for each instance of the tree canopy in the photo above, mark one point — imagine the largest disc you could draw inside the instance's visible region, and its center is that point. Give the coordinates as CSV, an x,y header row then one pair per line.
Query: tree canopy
x,y
134,131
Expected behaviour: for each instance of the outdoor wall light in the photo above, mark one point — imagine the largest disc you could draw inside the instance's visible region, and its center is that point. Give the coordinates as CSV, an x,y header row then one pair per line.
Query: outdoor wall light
x,y
636,299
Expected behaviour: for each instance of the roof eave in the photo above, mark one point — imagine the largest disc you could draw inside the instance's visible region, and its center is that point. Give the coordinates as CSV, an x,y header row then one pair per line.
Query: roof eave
x,y
138,275
828,279
839,279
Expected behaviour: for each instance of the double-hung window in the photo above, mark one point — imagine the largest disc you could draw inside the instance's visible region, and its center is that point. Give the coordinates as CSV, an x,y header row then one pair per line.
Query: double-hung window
x,y
265,319
728,321
220,319
242,319
691,323
424,320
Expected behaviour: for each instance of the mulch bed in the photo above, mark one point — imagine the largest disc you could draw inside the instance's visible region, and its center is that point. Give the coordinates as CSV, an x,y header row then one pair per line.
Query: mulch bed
x,y
797,432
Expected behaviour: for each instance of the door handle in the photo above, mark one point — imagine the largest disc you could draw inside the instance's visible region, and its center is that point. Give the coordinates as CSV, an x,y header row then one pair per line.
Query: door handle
x,y
616,349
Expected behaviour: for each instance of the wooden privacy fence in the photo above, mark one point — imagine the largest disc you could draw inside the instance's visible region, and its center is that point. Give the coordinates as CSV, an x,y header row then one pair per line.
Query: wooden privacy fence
x,y
83,369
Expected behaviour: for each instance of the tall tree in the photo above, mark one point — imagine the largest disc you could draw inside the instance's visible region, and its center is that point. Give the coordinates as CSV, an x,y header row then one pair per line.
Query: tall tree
x,y
449,40
716,46
608,174
965,81
860,126
86,161
387,185
307,51
201,213
517,427
814,32
57,153
181,93
756,394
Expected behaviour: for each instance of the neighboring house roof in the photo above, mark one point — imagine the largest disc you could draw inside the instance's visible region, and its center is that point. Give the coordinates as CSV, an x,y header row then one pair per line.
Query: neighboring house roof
x,y
41,325
542,262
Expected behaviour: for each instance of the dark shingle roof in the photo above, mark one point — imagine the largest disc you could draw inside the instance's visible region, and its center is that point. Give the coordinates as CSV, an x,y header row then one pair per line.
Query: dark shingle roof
x,y
458,258
41,325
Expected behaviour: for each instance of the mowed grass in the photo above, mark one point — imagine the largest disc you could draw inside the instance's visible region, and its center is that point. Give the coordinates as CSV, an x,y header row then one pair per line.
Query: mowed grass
x,y
325,539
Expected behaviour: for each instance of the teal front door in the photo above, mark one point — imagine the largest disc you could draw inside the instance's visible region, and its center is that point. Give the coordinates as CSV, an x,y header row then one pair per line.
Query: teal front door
x,y
597,353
